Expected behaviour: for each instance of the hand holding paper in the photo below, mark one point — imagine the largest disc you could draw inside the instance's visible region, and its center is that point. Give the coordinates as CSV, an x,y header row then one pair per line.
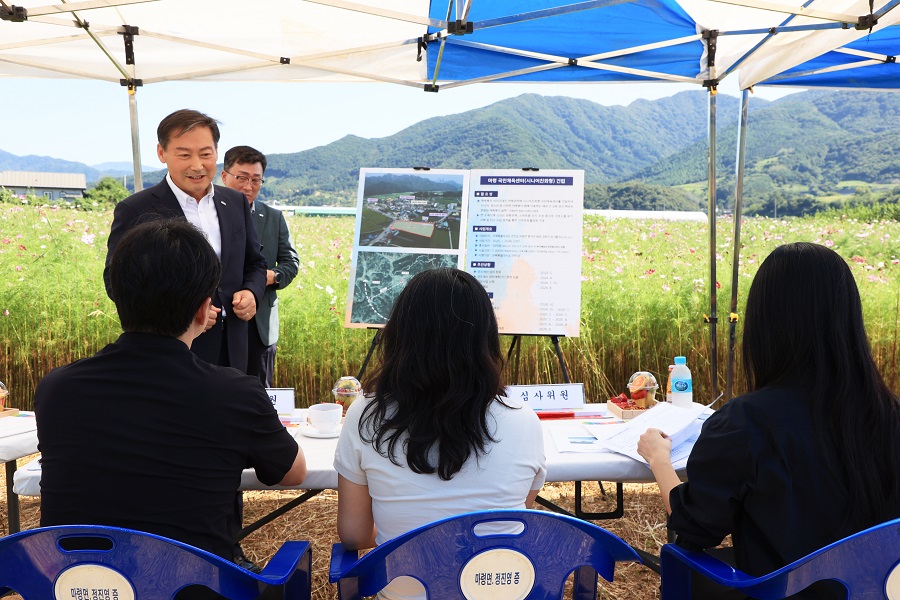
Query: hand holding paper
x,y
654,445
679,424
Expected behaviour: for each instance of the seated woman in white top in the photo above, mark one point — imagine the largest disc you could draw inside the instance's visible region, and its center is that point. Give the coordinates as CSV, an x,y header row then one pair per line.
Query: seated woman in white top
x,y
434,437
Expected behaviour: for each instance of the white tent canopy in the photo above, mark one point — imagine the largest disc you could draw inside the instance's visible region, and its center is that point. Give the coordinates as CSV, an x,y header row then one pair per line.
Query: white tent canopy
x,y
431,45
274,40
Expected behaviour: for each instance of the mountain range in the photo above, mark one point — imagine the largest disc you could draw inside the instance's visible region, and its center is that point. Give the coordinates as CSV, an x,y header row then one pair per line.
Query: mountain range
x,y
48,164
803,148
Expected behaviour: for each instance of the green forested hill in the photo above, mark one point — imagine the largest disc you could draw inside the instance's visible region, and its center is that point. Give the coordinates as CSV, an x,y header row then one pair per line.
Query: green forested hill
x,y
802,148
609,143
804,151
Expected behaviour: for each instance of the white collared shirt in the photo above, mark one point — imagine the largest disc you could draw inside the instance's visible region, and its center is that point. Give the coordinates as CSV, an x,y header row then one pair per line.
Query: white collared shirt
x,y
202,214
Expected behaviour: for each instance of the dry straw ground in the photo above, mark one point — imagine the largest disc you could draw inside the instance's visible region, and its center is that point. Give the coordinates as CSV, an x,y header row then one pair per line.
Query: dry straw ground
x,y
643,526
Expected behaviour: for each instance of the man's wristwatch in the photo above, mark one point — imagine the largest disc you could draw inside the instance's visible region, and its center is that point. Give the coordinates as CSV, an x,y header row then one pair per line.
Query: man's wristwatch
x,y
277,277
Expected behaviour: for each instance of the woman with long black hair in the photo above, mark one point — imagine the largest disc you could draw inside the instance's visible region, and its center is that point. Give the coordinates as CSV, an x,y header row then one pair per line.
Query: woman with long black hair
x,y
435,436
812,453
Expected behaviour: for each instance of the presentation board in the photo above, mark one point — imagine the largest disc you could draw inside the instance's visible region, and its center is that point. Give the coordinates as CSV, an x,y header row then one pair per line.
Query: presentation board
x,y
519,232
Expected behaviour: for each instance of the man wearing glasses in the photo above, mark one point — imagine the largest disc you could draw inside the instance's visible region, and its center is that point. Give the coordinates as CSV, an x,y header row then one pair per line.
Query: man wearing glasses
x,y
243,171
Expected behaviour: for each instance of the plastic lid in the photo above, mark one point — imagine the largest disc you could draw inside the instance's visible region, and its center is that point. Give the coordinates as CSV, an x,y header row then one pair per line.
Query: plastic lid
x,y
680,360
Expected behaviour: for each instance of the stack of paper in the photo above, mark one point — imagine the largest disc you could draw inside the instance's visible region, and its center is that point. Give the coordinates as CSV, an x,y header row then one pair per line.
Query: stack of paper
x,y
682,425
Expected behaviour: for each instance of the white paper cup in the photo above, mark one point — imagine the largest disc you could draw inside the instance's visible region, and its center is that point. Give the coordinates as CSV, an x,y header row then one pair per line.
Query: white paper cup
x,y
325,417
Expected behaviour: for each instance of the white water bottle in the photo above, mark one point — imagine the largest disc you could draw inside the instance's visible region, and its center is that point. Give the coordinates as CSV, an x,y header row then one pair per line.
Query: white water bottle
x,y
682,386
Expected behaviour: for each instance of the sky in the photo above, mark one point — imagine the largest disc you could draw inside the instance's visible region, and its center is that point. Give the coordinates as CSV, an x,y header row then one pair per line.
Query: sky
x,y
88,121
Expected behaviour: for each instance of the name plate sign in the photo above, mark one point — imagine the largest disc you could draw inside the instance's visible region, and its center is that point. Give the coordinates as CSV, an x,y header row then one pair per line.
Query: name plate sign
x,y
549,395
92,582
499,574
282,399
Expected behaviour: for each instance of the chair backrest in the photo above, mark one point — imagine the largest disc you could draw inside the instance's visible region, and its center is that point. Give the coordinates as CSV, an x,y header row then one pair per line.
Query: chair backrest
x,y
82,562
866,563
459,558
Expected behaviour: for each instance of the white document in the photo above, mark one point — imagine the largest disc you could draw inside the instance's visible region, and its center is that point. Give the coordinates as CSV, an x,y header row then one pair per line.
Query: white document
x,y
576,439
524,246
682,451
681,425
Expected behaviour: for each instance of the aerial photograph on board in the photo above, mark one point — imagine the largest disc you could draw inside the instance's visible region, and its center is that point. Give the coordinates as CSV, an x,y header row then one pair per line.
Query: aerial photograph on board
x,y
380,276
411,210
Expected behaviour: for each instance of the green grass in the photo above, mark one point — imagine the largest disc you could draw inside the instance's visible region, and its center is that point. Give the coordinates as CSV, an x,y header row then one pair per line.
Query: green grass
x,y
645,290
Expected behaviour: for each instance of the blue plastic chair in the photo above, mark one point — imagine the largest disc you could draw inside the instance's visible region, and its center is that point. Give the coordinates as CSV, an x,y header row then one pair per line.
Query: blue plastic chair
x,y
453,559
80,562
866,563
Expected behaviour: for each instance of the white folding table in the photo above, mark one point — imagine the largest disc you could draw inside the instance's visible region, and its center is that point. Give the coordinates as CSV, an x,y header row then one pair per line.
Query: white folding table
x,y
321,475
18,438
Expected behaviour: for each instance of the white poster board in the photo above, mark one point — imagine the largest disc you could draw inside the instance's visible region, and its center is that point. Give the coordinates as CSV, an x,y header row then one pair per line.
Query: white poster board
x,y
524,246
518,232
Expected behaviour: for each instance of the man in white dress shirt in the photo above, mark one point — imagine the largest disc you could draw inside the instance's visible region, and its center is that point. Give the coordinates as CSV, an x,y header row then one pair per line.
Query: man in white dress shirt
x,y
188,146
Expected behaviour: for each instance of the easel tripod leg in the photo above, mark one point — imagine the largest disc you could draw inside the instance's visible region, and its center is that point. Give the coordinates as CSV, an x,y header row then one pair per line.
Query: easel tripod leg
x,y
372,346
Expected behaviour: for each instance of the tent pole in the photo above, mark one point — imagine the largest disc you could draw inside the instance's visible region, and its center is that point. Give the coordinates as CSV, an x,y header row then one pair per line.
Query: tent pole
x,y
135,138
713,349
736,258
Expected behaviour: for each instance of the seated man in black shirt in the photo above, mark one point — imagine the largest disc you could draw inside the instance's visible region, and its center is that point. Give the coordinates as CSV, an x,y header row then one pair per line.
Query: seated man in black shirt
x,y
144,434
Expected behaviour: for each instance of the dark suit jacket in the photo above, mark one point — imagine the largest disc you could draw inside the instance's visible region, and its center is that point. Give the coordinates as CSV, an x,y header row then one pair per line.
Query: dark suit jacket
x,y
243,266
278,249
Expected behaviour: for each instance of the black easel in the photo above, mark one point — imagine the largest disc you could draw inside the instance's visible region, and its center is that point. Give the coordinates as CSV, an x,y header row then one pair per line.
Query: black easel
x,y
514,346
619,510
375,339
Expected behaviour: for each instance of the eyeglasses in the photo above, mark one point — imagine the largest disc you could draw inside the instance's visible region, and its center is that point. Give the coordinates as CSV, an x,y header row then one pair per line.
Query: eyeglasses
x,y
243,179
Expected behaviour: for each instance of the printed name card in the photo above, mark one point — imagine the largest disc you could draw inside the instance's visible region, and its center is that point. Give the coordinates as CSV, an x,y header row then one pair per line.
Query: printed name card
x,y
501,574
282,399
549,396
92,582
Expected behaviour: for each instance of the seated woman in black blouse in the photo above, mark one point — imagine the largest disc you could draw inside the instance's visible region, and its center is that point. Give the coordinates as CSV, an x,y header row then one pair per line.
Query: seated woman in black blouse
x,y
812,453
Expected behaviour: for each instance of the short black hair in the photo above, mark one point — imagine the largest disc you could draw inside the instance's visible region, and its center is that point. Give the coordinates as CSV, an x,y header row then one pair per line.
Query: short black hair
x,y
244,155
160,274
182,121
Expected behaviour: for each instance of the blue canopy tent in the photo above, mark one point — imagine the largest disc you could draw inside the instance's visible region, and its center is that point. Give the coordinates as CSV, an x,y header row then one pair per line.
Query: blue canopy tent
x,y
610,41
645,40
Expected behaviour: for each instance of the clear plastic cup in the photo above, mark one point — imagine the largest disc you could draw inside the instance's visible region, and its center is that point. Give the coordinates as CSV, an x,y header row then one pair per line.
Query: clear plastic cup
x,y
346,390
642,387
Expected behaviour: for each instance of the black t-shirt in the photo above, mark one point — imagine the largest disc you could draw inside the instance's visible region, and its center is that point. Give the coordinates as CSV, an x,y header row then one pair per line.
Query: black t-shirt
x,y
760,472
145,435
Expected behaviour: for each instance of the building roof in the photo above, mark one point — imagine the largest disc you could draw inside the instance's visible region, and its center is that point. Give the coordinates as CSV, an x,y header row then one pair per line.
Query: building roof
x,y
33,179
